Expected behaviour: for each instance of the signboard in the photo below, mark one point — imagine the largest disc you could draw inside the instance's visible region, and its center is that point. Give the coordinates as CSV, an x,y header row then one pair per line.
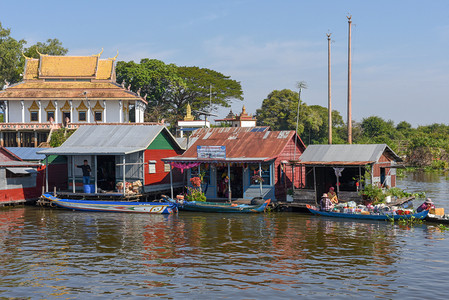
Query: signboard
x,y
211,151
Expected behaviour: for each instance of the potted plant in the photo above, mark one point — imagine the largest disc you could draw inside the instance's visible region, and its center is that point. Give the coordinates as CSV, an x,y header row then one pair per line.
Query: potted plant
x,y
289,197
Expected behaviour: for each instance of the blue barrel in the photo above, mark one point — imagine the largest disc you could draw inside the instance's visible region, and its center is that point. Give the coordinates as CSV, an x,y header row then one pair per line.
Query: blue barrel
x,y
87,188
92,188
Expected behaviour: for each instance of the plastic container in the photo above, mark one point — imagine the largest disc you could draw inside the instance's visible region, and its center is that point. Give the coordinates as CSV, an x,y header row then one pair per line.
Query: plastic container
x,y
86,188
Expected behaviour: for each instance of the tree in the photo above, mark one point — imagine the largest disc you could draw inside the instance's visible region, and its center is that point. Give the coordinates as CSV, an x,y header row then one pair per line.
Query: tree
x,y
153,78
51,47
202,88
11,60
279,111
170,88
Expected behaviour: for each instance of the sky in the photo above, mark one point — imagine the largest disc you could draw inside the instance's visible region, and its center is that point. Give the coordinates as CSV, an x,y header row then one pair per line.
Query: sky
x,y
400,66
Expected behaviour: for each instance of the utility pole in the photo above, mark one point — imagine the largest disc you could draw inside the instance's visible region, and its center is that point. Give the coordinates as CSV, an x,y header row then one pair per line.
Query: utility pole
x,y
349,83
329,104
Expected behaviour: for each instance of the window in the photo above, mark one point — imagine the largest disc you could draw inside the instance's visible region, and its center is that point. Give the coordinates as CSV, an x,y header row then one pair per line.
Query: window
x,y
82,116
98,116
50,115
167,168
151,166
266,175
34,116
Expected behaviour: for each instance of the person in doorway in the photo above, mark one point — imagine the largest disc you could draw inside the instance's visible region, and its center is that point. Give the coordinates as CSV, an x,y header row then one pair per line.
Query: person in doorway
x,y
332,195
325,203
86,172
427,205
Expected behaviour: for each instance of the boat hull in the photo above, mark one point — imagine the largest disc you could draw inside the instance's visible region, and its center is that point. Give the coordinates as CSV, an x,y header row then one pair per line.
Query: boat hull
x,y
223,207
114,206
421,215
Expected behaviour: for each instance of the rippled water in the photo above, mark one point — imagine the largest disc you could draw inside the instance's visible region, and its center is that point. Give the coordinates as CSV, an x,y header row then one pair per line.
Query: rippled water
x,y
59,254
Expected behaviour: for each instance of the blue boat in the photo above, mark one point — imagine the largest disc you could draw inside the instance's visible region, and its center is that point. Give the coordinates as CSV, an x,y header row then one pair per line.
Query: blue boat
x,y
114,206
387,216
219,207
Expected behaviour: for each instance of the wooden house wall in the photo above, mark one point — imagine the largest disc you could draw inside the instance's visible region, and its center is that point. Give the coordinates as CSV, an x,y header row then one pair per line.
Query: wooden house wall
x,y
384,162
161,176
282,183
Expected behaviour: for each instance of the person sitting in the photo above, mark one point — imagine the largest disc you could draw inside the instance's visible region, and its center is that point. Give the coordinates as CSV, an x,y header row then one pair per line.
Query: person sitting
x,y
325,203
427,205
332,195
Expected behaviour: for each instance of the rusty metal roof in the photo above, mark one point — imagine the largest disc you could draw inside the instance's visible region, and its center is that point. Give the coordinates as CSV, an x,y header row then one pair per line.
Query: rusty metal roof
x,y
242,143
355,154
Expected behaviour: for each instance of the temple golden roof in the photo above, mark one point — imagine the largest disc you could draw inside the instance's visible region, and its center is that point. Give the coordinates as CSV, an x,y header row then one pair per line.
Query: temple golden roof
x,y
68,77
67,66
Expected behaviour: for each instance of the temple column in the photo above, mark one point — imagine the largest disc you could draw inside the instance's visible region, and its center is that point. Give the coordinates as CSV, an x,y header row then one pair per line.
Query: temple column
x,y
39,117
35,139
120,111
71,111
88,111
56,112
104,111
6,111
2,142
22,103
18,138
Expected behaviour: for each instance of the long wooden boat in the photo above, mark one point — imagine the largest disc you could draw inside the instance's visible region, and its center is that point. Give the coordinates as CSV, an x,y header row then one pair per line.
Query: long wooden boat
x,y
437,219
220,207
114,206
387,216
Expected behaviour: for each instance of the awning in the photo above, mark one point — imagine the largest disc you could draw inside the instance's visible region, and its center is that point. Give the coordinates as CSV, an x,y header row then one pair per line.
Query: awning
x,y
18,170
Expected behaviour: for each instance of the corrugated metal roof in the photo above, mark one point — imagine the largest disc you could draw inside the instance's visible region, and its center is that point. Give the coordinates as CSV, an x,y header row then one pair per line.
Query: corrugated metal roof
x,y
109,140
242,143
344,154
26,153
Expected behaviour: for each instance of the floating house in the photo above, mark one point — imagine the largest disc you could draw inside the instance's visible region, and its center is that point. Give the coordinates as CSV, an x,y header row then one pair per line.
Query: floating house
x,y
242,162
65,91
19,180
120,153
343,167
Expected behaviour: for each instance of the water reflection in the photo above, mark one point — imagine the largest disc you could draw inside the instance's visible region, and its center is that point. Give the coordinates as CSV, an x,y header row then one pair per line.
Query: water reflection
x,y
51,253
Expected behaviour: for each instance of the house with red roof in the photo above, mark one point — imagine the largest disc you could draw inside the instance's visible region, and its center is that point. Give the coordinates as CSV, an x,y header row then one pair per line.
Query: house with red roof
x,y
242,162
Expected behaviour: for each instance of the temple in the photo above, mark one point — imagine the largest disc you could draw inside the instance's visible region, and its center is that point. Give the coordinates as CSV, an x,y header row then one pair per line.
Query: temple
x,y
242,120
65,91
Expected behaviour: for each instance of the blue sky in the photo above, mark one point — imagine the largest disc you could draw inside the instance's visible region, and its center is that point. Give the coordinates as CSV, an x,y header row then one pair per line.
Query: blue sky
x,y
400,66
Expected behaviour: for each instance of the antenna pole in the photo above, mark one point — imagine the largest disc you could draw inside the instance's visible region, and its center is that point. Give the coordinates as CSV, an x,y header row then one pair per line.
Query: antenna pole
x,y
349,83
329,104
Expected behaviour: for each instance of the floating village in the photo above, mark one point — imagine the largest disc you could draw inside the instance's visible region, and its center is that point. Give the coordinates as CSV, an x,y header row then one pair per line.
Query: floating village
x,y
115,162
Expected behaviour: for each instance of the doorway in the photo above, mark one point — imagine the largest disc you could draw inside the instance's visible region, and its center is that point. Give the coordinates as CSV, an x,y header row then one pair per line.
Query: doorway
x,y
236,182
106,172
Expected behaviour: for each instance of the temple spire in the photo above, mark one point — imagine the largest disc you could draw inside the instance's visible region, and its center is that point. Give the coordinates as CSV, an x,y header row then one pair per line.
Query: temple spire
x,y
189,116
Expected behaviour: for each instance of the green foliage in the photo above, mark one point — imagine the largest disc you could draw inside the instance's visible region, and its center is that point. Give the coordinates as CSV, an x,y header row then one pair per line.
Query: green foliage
x,y
51,47
58,137
195,194
170,88
374,193
11,59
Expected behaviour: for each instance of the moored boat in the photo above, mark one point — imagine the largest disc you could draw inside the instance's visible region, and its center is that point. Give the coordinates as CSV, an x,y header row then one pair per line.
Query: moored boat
x,y
220,207
370,216
114,206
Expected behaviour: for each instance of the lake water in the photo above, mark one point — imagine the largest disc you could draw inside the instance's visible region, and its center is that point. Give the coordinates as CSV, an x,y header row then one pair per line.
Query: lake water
x,y
60,254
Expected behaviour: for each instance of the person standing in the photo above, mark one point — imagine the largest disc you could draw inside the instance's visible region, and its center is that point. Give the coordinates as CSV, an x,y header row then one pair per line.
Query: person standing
x,y
86,172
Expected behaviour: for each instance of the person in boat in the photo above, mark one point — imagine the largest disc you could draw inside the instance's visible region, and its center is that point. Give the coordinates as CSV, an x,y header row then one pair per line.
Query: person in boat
x,y
325,203
86,172
332,195
427,205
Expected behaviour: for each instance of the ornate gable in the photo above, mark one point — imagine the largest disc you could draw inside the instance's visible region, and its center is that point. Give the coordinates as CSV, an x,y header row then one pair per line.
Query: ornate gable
x,y
66,106
50,106
97,106
82,107
33,106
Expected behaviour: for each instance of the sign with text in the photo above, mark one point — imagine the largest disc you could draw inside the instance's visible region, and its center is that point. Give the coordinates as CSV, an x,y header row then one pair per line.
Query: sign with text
x,y
211,151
